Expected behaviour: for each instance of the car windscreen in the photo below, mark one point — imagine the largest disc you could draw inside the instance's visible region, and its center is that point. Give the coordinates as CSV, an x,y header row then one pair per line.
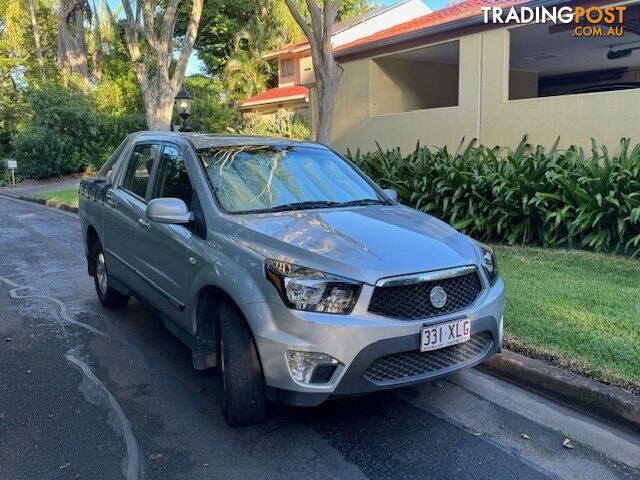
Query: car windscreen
x,y
266,178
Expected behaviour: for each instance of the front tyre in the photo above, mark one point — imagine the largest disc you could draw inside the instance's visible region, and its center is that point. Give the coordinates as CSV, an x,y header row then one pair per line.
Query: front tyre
x,y
108,297
244,397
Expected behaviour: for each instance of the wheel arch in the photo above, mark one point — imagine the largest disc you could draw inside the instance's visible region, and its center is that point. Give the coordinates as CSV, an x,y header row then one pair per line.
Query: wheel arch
x,y
208,299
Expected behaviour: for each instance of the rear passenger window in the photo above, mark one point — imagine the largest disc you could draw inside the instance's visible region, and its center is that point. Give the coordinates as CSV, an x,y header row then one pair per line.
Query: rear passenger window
x,y
139,169
173,179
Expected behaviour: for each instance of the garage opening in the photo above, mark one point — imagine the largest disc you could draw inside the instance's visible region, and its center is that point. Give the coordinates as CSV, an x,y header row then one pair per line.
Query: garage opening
x,y
416,79
548,60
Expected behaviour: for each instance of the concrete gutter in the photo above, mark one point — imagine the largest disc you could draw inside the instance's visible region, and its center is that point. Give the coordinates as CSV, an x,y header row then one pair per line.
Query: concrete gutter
x,y
589,396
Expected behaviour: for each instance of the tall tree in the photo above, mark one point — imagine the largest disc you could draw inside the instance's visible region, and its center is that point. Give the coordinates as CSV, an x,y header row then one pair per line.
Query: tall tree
x,y
150,35
72,43
36,37
221,20
98,52
14,11
246,73
327,70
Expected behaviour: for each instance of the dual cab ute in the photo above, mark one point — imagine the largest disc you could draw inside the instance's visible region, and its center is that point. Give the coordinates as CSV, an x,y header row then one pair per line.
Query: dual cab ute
x,y
283,265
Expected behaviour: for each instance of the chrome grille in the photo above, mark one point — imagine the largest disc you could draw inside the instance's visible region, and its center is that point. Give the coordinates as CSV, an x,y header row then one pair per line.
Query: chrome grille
x,y
411,302
414,364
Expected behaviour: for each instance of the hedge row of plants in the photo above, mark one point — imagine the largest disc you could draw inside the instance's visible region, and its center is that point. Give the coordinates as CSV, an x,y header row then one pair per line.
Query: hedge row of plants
x,y
66,134
281,124
572,197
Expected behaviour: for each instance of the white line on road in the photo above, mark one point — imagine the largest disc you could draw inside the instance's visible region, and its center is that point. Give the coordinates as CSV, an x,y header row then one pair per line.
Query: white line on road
x,y
133,454
64,315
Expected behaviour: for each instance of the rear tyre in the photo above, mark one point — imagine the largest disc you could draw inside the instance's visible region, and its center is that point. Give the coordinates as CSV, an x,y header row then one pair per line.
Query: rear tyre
x,y
244,396
108,297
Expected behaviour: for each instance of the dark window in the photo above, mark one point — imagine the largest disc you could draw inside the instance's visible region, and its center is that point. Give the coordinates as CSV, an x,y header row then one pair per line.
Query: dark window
x,y
286,66
139,169
549,60
173,179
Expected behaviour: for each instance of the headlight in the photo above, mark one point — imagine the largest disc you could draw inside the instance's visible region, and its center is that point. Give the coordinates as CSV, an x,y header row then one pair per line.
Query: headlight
x,y
489,263
307,289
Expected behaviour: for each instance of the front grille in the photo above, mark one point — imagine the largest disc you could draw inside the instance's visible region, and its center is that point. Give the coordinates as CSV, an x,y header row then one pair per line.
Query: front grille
x,y
415,364
412,302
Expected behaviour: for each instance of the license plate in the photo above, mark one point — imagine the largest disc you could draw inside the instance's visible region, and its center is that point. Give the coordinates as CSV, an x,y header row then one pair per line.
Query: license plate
x,y
443,335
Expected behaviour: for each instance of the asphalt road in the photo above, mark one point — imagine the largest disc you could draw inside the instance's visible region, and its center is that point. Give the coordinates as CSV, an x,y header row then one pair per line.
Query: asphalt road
x,y
87,393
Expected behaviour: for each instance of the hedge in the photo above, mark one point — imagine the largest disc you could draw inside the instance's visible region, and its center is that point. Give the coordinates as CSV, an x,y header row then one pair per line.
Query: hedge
x,y
529,195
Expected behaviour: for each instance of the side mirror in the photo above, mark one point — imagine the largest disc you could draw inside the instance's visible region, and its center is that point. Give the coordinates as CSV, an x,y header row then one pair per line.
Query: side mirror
x,y
391,194
168,210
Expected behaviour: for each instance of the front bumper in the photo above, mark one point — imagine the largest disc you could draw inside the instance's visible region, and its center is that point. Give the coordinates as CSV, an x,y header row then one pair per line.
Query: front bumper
x,y
357,341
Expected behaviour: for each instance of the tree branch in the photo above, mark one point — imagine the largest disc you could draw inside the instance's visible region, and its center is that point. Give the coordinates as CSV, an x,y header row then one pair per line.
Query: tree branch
x,y
297,16
148,9
187,47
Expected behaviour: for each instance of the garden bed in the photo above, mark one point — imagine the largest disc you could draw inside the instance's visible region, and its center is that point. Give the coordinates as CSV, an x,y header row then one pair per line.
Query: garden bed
x,y
64,196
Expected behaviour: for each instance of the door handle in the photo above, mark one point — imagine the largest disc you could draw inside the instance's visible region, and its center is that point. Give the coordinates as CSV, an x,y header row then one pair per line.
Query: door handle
x,y
145,223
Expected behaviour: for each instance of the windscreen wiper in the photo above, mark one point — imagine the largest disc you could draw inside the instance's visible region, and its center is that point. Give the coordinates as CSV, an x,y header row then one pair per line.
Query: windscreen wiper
x,y
304,206
363,201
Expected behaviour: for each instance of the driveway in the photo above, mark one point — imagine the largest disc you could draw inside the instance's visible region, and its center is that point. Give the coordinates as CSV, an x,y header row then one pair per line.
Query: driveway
x,y
87,393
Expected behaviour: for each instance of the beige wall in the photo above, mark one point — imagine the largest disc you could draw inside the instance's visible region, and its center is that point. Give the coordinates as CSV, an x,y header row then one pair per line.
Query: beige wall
x,y
484,110
605,116
356,124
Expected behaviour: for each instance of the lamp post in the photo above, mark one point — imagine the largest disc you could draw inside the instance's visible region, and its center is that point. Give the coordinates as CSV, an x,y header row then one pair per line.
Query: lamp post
x,y
183,103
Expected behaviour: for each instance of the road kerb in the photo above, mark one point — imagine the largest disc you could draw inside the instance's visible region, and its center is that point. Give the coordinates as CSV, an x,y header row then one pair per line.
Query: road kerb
x,y
49,203
589,396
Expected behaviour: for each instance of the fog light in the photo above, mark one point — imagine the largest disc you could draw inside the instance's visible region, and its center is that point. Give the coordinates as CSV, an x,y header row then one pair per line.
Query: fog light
x,y
302,364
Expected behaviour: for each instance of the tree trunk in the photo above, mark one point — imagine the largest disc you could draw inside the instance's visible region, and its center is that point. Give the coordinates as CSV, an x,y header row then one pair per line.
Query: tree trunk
x,y
72,50
327,70
36,38
327,84
160,111
97,47
159,86
82,66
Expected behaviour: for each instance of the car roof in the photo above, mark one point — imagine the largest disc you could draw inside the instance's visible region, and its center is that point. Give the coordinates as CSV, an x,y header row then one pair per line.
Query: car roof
x,y
211,140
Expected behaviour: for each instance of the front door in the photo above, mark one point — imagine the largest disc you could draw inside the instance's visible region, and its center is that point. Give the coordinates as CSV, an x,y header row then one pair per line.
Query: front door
x,y
121,210
161,249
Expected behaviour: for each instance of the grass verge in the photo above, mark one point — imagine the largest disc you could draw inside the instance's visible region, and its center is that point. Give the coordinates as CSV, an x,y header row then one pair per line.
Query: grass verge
x,y
575,309
67,196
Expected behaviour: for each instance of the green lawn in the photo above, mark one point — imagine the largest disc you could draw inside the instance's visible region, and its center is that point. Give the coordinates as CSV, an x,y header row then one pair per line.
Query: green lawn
x,y
68,196
577,309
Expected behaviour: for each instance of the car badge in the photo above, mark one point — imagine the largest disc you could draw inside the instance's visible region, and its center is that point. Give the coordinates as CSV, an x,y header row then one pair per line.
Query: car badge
x,y
438,297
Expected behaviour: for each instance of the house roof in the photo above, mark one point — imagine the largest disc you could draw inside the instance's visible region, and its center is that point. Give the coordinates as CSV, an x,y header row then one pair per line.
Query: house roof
x,y
338,27
460,11
274,95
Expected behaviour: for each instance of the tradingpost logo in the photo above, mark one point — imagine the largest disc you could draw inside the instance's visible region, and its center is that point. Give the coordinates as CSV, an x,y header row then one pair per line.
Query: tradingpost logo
x,y
589,21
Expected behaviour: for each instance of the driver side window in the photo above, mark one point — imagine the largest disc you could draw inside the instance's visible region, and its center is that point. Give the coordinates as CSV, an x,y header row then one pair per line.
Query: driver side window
x,y
172,179
139,169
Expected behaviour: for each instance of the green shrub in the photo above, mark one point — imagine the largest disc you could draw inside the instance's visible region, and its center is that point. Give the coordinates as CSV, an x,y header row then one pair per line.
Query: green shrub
x,y
528,195
112,130
61,137
67,135
285,124
209,111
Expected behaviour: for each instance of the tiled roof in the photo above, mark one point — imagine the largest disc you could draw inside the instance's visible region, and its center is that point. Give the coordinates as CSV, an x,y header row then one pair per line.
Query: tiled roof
x,y
459,11
345,24
277,94
303,44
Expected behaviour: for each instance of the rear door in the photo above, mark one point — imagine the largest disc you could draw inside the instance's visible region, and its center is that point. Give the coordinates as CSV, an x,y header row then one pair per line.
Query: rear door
x,y
161,249
121,212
